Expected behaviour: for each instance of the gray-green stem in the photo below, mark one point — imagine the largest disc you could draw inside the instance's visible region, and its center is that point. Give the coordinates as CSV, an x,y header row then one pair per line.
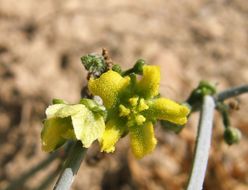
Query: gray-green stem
x,y
232,92
202,147
71,166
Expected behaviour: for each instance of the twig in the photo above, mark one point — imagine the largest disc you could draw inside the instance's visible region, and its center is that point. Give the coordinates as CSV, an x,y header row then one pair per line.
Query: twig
x,y
232,92
71,167
24,177
202,147
107,58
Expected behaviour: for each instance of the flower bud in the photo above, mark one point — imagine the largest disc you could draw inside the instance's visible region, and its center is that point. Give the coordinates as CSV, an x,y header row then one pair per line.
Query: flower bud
x,y
94,64
232,135
117,68
58,101
138,67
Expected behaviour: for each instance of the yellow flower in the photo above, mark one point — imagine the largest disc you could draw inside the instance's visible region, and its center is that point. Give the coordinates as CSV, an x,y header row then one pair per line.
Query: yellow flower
x,y
133,107
71,122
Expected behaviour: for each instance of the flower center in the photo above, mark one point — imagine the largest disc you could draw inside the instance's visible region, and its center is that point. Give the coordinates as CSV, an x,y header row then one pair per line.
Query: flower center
x,y
132,111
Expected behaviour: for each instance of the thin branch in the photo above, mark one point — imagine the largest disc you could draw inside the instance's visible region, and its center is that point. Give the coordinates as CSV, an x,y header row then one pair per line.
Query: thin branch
x,y
232,92
71,167
202,147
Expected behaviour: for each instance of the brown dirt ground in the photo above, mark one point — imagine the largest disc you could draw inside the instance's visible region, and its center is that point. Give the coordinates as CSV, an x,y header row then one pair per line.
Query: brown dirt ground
x,y
40,47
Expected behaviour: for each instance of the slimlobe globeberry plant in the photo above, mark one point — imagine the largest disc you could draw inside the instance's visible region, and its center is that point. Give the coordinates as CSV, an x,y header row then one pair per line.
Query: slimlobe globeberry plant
x,y
118,103
127,103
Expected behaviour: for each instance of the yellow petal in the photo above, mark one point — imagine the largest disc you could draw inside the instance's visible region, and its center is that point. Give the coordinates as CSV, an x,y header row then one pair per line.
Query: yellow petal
x,y
63,110
142,105
142,139
108,87
148,86
53,109
69,134
53,131
166,109
111,135
123,111
140,119
133,101
87,126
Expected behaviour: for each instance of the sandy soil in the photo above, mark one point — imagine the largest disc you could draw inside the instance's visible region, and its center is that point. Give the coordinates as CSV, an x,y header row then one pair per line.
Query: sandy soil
x,y
41,43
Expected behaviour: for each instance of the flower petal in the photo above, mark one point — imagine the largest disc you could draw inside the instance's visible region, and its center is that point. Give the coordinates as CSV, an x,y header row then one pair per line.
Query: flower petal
x,y
166,109
148,86
87,126
113,132
108,87
142,139
63,110
52,133
53,109
70,110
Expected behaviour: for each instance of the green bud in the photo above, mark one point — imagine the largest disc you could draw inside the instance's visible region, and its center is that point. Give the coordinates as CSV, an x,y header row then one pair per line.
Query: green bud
x,y
206,88
58,101
94,63
138,67
232,135
117,68
196,97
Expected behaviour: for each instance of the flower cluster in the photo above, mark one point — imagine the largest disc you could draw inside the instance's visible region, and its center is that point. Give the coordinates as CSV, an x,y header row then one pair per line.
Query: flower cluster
x,y
132,105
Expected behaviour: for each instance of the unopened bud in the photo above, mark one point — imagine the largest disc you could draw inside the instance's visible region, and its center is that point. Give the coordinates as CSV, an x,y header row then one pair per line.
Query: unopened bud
x,y
232,135
138,67
58,101
117,68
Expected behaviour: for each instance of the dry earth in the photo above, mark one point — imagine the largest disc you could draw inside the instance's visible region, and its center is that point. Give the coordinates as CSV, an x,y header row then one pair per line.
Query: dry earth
x,y
40,47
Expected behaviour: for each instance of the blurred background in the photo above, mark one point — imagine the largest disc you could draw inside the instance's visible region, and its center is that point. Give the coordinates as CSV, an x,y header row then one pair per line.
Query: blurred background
x,y
41,43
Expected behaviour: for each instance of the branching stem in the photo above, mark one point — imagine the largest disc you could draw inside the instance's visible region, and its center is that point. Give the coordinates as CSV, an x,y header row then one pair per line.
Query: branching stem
x,y
202,147
232,92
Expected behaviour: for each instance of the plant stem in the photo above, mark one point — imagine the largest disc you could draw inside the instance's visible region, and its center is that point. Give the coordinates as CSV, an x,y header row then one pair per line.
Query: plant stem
x,y
223,109
71,167
202,147
22,179
232,92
